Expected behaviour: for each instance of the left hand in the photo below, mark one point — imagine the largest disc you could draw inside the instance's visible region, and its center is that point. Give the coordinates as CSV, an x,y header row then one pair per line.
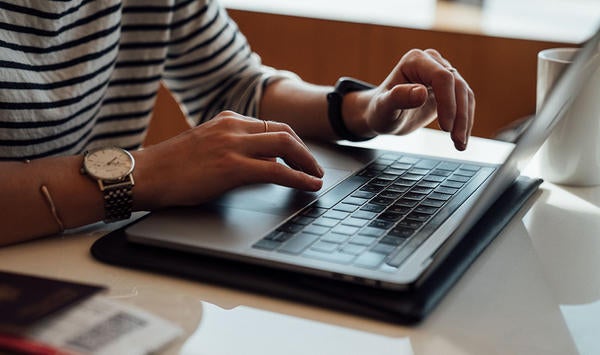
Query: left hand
x,y
421,85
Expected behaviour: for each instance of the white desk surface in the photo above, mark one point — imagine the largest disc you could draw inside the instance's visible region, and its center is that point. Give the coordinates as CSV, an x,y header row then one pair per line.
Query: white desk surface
x,y
535,290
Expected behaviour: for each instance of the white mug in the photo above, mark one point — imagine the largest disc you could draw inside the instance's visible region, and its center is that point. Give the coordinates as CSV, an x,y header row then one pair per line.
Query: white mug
x,y
571,154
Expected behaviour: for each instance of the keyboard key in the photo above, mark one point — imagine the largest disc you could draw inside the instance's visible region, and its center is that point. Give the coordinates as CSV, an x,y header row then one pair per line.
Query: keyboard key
x,y
401,166
408,160
446,190
458,178
318,230
419,217
297,244
463,172
381,224
446,165
372,232
302,220
369,260
397,188
421,190
469,167
352,200
413,196
453,184
432,203
401,232
434,178
325,247
388,177
334,238
346,230
336,257
441,172
439,196
314,212
282,237
372,188
397,209
393,171
409,224
389,194
363,194
344,207
291,227
382,201
405,202
391,217
380,182
404,182
426,209
336,214
371,207
417,171
326,222
355,222
385,249
428,184
426,164
266,244
412,177
363,240
392,240
366,215
353,249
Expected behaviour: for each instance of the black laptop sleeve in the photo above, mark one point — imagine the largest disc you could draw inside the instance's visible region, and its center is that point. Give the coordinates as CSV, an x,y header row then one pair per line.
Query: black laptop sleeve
x,y
403,307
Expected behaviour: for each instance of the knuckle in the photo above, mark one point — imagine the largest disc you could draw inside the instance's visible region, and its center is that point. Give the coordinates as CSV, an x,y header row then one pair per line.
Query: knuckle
x,y
443,76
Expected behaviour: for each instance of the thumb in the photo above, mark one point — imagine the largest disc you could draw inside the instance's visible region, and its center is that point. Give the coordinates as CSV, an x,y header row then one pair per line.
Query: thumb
x,y
403,96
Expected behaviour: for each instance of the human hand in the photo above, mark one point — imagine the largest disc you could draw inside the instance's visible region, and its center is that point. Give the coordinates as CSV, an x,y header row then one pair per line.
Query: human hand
x,y
228,151
421,87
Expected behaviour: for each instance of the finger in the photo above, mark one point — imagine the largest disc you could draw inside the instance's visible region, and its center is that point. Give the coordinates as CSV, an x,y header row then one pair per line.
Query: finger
x,y
462,120
262,171
426,69
438,57
472,103
392,102
282,145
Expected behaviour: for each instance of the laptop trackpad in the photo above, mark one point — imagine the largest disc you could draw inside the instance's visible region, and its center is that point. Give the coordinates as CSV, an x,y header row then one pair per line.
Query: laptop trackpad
x,y
233,222
275,199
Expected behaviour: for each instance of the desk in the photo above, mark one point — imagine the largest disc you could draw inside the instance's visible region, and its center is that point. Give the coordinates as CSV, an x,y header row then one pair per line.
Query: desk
x,y
535,290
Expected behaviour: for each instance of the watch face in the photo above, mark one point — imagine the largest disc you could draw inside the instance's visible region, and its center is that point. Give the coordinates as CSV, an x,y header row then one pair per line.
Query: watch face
x,y
108,163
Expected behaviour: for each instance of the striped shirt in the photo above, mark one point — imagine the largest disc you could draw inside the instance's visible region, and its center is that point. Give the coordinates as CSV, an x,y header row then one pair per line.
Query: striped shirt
x,y
79,74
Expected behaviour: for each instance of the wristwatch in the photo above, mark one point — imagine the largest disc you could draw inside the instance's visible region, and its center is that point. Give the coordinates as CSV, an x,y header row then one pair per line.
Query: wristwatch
x,y
112,168
335,99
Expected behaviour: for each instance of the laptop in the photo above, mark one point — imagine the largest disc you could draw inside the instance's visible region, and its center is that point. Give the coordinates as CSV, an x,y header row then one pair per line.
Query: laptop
x,y
383,218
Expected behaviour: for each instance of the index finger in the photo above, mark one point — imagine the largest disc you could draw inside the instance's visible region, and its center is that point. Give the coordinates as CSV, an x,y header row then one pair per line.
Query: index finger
x,y
423,68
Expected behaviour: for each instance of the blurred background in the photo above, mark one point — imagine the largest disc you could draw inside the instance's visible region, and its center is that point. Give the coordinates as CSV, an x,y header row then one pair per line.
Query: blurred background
x,y
494,43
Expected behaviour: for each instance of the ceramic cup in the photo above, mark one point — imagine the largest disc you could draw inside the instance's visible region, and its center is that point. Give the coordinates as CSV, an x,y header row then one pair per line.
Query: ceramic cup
x,y
571,154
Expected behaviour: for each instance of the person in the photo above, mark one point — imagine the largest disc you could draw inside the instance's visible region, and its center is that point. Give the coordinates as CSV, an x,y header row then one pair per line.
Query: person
x,y
81,75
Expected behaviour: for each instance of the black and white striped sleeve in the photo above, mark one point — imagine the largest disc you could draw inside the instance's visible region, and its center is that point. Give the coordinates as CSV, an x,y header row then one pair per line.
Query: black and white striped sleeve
x,y
210,66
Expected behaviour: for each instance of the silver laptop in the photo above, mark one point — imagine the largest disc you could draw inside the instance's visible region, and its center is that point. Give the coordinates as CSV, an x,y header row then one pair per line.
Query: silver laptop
x,y
383,218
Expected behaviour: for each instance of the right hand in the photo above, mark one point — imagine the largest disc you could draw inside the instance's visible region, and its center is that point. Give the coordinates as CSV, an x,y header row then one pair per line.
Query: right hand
x,y
228,151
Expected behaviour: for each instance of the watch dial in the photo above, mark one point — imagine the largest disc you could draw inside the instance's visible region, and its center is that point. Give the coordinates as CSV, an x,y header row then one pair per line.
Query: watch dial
x,y
109,163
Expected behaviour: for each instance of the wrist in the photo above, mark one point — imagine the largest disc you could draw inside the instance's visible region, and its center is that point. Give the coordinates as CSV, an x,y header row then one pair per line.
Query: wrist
x,y
347,107
354,109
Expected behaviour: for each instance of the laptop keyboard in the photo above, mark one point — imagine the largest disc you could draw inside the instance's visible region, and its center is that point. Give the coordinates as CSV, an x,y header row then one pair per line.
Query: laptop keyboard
x,y
380,215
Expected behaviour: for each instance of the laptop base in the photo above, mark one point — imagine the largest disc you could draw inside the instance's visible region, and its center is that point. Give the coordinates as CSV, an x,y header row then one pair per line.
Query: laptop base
x,y
402,307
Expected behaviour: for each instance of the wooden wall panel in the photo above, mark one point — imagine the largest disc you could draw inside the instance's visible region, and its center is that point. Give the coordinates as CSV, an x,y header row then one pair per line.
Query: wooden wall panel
x,y
501,71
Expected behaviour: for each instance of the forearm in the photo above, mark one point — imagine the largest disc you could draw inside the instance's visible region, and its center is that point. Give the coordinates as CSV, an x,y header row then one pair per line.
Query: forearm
x,y
27,212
